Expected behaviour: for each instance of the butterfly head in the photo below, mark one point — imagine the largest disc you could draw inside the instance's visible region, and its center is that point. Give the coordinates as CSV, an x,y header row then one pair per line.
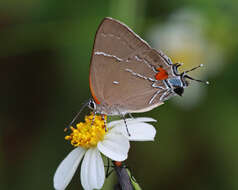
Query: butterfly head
x,y
180,81
92,105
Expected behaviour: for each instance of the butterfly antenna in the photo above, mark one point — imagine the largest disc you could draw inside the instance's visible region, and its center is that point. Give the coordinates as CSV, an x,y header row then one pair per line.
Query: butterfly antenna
x,y
201,65
81,109
206,82
187,76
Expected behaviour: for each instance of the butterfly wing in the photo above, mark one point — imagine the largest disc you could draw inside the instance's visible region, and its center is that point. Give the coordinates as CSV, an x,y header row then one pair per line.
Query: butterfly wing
x,y
123,67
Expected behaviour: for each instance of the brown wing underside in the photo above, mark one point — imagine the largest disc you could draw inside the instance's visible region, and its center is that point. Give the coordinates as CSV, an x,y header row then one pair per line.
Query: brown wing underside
x,y
117,48
117,86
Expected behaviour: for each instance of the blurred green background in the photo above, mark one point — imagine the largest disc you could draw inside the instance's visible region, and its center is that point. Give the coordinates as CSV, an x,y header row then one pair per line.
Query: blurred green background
x,y
45,49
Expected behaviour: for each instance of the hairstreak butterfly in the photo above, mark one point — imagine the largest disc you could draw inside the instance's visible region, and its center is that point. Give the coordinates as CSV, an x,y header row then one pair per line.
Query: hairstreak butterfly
x,y
127,75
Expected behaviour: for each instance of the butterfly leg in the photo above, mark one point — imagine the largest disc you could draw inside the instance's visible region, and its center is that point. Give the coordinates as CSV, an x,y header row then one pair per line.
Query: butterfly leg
x,y
105,121
126,125
124,119
154,96
156,93
165,94
94,115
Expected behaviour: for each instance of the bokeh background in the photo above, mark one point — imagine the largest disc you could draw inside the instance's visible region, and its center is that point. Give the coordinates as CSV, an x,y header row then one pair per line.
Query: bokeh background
x,y
45,48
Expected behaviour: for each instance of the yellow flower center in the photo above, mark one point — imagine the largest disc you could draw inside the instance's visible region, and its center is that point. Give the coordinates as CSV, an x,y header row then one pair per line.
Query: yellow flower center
x,y
87,134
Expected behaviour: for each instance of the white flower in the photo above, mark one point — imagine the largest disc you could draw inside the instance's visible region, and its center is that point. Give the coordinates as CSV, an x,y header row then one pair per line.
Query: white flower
x,y
114,144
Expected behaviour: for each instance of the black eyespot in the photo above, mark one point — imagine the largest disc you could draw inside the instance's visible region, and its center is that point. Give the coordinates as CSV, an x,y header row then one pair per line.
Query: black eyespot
x,y
179,90
92,105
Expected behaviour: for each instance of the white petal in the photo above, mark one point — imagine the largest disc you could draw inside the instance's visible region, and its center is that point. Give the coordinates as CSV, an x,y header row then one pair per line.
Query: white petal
x,y
113,123
139,132
92,170
142,119
130,121
117,129
67,168
114,146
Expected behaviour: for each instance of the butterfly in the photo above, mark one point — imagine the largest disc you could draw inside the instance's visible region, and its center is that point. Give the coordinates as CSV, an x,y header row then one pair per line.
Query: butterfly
x,y
127,75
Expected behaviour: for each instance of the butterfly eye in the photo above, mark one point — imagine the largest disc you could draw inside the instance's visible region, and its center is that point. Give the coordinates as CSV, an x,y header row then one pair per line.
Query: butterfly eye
x,y
179,90
92,105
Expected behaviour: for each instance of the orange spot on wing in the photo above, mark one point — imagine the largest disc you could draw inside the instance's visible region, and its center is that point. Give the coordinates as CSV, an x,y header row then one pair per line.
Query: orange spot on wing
x,y
162,74
92,91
